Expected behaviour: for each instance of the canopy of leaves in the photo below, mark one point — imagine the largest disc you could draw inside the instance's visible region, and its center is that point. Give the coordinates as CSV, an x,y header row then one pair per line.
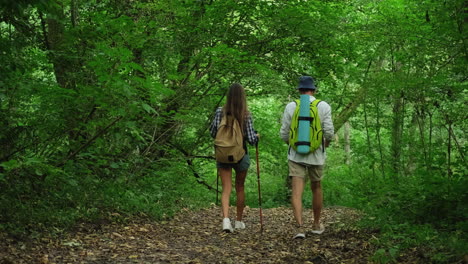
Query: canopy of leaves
x,y
105,105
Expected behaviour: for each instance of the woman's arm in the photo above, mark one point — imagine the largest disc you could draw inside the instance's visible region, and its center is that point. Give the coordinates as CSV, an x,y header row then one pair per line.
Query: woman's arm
x,y
249,131
215,122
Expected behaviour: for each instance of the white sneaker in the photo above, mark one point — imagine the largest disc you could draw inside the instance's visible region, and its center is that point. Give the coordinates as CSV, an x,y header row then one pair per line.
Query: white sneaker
x,y
227,227
299,235
318,229
239,225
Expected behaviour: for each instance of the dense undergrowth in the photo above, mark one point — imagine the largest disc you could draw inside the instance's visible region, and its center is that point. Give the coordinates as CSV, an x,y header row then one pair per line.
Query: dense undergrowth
x,y
411,214
407,215
63,199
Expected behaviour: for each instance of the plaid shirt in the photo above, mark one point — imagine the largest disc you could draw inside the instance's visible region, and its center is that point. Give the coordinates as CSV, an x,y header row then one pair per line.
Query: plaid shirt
x,y
249,133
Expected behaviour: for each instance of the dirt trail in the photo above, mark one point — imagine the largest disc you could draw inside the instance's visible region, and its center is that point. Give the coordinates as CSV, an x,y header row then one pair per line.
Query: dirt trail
x,y
196,237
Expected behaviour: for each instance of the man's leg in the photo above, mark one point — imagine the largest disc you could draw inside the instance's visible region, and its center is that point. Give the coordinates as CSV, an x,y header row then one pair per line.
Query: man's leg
x,y
297,184
240,194
225,175
317,201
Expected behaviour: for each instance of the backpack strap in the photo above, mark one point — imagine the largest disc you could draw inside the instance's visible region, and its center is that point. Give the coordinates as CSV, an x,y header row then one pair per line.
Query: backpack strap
x,y
316,102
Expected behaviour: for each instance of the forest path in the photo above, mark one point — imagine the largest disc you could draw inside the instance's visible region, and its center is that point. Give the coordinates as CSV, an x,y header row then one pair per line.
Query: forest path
x,y
196,237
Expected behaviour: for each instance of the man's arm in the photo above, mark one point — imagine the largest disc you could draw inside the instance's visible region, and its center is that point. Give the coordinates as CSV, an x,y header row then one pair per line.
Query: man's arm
x,y
286,122
327,124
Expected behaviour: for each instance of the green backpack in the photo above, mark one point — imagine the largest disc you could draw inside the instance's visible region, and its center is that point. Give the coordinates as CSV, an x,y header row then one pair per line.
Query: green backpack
x,y
316,133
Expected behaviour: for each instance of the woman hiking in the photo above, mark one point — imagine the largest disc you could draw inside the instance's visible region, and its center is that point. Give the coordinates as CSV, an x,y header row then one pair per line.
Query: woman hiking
x,y
234,109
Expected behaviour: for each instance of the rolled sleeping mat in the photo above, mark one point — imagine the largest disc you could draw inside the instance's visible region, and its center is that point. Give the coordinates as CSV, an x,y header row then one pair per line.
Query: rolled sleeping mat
x,y
303,137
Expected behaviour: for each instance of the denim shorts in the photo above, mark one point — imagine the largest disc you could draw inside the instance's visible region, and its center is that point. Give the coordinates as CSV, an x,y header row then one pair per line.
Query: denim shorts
x,y
242,165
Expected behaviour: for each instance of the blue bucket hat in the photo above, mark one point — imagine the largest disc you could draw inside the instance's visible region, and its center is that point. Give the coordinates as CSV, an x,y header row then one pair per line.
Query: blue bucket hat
x,y
306,82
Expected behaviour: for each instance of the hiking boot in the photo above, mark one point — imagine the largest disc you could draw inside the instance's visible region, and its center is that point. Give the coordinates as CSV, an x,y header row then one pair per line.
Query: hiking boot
x,y
227,227
318,229
239,225
300,234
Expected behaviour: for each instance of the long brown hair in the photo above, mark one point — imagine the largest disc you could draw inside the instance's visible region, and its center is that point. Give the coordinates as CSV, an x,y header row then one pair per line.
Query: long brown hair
x,y
236,104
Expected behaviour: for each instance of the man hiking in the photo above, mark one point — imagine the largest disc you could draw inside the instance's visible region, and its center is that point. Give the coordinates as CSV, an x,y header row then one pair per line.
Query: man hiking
x,y
310,164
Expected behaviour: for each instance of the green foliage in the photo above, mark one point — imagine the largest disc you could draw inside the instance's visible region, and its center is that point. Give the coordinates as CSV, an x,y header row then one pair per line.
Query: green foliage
x,y
159,194
164,191
417,216
105,108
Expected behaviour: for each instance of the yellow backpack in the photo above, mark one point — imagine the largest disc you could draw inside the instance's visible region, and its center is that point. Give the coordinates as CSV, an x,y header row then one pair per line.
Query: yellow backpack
x,y
229,141
316,133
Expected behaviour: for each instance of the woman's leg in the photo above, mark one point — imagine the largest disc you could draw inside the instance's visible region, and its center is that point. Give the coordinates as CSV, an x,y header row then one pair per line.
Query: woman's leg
x,y
240,194
225,175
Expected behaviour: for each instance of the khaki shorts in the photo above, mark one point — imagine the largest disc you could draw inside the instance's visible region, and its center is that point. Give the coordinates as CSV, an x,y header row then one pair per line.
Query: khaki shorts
x,y
315,172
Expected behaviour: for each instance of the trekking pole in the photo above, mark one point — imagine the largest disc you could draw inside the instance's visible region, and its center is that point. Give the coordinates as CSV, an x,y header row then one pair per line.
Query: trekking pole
x,y
217,186
258,183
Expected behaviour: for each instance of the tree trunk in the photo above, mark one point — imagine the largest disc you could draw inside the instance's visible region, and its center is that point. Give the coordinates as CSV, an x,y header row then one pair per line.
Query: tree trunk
x,y
421,125
369,145
346,113
349,109
449,150
379,140
59,55
397,133
74,12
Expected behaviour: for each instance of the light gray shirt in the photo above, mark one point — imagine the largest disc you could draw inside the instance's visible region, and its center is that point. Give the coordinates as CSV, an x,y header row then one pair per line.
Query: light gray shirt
x,y
317,157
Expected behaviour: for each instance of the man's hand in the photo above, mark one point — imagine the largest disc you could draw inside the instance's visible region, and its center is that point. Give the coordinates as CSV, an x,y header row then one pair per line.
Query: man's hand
x,y
327,143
